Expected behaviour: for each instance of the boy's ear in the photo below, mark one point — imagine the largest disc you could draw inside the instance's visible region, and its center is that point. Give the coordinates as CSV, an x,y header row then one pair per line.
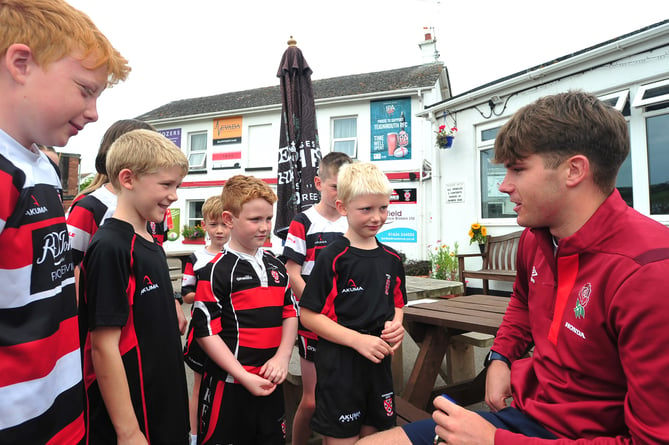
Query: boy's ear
x,y
318,183
126,179
227,218
341,208
18,59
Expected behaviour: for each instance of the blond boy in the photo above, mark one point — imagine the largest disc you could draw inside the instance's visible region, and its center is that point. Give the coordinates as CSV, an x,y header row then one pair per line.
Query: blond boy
x,y
54,63
353,301
219,234
245,319
133,364
309,233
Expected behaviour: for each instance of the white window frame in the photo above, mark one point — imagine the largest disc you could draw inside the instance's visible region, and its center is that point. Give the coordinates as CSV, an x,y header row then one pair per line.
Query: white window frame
x,y
617,100
639,100
193,220
485,145
353,155
202,165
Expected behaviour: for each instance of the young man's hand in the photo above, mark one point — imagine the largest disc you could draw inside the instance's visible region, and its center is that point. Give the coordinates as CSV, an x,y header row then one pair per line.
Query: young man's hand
x,y
393,334
372,348
275,370
257,385
458,425
181,318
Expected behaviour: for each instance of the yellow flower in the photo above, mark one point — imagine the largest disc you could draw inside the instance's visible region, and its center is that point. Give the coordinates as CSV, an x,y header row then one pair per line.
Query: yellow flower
x,y
476,226
484,231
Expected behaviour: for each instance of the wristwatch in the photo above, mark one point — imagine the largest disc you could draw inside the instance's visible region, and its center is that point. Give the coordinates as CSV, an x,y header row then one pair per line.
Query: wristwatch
x,y
492,355
178,297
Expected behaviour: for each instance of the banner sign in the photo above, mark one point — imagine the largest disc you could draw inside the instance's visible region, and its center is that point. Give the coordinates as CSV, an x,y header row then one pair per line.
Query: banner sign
x,y
390,129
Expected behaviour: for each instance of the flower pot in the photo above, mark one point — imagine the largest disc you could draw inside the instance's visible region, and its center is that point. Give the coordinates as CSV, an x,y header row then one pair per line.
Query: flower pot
x,y
482,248
193,241
448,143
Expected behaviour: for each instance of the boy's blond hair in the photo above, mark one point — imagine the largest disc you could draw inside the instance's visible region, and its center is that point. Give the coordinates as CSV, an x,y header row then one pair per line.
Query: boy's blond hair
x,y
361,178
143,152
241,189
212,209
53,29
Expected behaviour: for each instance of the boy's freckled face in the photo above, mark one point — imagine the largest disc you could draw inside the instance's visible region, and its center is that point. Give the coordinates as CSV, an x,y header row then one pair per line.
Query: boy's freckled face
x,y
252,227
366,214
62,98
154,193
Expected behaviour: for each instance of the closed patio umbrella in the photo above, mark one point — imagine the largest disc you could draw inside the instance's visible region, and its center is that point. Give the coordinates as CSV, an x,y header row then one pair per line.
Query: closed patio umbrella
x,y
299,150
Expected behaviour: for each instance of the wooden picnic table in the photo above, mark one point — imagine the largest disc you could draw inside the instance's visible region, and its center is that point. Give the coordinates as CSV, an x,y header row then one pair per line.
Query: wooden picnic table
x,y
433,325
422,287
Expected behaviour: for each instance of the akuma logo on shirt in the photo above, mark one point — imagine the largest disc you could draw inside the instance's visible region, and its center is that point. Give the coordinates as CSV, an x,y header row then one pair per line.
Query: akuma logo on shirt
x,y
37,210
148,285
352,287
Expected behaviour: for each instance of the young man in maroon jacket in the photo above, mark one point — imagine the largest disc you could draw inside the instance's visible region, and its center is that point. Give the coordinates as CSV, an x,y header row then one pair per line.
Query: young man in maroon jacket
x,y
589,295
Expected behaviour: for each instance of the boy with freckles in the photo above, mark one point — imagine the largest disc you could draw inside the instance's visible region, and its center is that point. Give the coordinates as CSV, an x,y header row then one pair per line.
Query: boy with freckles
x,y
54,64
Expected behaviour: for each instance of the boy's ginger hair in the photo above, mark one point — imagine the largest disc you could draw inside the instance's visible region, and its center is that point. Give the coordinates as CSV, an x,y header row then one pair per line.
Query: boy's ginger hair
x,y
143,152
54,29
361,178
212,209
241,189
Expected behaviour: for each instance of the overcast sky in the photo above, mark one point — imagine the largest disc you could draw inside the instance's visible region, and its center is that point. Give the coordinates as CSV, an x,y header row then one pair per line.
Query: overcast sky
x,y
179,50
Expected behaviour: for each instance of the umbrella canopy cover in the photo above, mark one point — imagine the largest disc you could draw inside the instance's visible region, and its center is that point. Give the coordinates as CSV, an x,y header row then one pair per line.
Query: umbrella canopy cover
x,y
299,150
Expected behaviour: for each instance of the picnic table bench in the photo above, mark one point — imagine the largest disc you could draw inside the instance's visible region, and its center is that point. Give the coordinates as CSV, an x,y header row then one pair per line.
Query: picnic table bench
x,y
499,261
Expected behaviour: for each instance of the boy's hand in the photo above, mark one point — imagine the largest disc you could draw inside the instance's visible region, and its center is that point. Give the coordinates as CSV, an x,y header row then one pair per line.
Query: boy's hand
x,y
275,370
257,385
372,348
393,333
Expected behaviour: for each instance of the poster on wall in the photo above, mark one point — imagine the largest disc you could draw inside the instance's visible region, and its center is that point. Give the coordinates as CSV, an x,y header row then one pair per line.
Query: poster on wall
x,y
228,130
173,134
390,129
402,223
227,138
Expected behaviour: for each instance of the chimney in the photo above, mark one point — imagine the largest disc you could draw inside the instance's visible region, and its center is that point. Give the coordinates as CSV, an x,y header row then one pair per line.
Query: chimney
x,y
428,48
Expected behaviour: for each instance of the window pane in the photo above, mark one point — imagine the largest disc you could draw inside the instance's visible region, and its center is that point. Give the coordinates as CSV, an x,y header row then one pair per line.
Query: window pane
x,y
345,128
196,159
194,213
198,142
657,132
494,204
489,134
347,147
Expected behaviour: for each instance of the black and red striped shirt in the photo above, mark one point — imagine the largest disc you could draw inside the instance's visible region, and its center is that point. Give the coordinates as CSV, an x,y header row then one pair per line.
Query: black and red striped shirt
x,y
41,391
245,306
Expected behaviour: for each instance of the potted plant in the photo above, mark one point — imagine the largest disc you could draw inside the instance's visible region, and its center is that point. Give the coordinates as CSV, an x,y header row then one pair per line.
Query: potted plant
x,y
445,136
444,261
478,233
193,235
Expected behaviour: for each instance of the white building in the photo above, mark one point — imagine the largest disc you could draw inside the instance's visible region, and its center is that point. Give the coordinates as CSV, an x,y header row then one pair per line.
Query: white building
x,y
238,133
446,189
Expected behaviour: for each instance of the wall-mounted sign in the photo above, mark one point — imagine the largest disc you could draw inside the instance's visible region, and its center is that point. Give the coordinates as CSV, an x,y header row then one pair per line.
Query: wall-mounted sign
x,y
402,223
391,129
173,134
228,130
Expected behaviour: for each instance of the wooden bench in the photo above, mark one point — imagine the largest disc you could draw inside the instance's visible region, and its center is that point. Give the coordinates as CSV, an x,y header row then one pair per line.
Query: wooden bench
x,y
499,261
